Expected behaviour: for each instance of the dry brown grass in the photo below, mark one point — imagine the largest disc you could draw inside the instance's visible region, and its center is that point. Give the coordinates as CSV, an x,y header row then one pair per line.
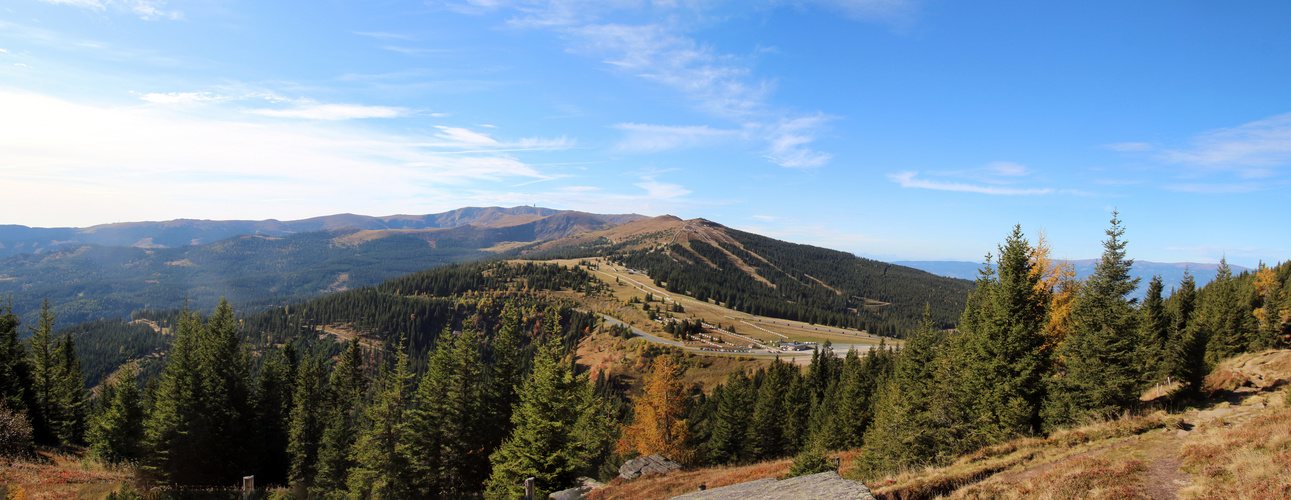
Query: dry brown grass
x,y
685,481
1059,452
1081,477
61,475
1250,460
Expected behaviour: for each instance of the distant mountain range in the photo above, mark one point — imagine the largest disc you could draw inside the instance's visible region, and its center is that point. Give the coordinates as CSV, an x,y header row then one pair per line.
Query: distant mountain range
x,y
16,239
1171,273
112,270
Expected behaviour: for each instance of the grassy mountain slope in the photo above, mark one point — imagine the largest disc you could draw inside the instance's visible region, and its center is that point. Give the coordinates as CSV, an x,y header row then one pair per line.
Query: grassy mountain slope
x,y
761,275
85,282
168,234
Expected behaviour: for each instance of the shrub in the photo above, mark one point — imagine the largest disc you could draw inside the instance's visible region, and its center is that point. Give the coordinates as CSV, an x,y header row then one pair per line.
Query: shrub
x,y
15,433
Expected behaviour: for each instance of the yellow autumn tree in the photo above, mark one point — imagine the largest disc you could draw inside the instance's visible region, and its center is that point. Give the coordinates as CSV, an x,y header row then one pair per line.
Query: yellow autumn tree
x,y
1059,286
659,423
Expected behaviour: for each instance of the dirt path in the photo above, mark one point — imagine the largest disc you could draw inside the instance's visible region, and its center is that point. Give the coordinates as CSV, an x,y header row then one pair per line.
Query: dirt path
x,y
1164,476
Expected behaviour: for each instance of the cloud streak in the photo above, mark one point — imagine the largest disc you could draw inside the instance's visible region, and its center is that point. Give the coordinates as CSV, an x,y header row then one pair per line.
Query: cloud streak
x,y
909,180
1252,149
149,161
661,51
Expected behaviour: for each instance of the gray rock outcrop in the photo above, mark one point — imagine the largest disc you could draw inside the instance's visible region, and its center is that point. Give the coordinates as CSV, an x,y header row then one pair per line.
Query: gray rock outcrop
x,y
638,467
815,486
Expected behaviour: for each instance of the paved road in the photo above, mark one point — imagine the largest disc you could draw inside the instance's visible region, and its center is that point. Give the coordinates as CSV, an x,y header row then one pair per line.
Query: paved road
x,y
640,333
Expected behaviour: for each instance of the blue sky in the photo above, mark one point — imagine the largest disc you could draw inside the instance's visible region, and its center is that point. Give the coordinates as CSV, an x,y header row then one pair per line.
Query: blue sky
x,y
894,129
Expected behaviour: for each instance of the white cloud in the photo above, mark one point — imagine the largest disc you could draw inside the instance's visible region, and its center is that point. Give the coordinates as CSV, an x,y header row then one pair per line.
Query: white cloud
x,y
908,180
465,136
656,189
316,111
1220,187
722,85
1260,144
787,142
149,10
180,97
645,138
1129,147
88,164
1006,169
579,189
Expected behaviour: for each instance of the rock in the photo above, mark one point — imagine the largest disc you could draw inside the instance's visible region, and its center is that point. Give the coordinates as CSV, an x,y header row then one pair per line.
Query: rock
x,y
656,463
585,485
823,485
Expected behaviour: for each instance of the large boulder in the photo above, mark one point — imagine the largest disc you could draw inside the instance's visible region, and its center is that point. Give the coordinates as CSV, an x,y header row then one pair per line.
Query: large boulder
x,y
656,463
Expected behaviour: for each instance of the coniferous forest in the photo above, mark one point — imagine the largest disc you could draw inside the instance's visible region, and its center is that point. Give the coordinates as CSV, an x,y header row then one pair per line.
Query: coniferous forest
x,y
462,381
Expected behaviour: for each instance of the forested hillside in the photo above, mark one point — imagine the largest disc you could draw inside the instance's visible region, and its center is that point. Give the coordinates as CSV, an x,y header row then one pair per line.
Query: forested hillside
x,y
760,275
175,233
89,282
461,381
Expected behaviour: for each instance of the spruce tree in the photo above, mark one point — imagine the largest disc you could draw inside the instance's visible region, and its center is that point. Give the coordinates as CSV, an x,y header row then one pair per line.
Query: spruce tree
x,y
116,432
340,413
381,468
560,429
272,420
907,431
1222,315
15,368
446,437
727,444
1098,357
198,431
1004,328
69,393
308,419
44,382
1155,335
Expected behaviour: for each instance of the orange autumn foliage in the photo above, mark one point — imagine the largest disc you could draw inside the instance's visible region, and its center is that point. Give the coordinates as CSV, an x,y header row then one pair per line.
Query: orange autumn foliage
x,y
1057,284
659,424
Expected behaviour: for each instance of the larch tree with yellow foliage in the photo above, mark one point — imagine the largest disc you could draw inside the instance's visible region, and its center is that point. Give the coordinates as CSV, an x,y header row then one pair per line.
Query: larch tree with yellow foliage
x,y
659,424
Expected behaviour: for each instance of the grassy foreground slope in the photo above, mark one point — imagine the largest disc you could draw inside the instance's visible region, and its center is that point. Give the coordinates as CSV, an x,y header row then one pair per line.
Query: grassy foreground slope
x,y
1234,445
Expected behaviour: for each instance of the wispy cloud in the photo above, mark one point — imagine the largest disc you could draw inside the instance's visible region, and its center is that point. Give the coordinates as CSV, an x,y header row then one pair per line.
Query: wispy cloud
x,y
149,10
1249,148
909,180
151,161
662,51
647,138
1129,147
662,190
383,35
333,112
180,97
1220,187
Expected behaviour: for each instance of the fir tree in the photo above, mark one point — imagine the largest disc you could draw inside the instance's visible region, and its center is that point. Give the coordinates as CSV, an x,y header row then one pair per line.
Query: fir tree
x,y
341,409
1100,377
272,420
1223,317
1155,334
15,368
1007,359
907,430
116,432
560,430
727,444
445,432
381,468
44,382
308,420
68,404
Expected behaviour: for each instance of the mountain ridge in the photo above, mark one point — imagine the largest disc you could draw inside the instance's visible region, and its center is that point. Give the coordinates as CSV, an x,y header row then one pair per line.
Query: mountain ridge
x,y
18,239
